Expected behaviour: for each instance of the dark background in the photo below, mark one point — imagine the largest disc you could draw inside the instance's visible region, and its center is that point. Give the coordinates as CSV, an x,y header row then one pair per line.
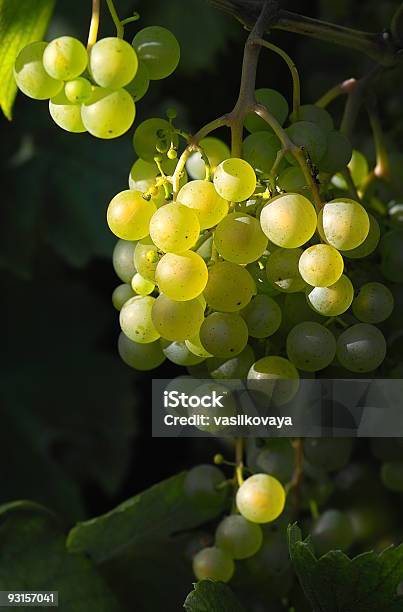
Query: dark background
x,y
75,421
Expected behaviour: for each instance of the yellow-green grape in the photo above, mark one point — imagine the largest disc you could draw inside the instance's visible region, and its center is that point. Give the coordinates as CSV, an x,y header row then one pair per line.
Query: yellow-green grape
x,y
359,169
141,357
30,75
66,114
275,378
260,151
334,300
224,334
159,50
203,199
374,303
146,258
136,321
276,104
174,228
292,180
239,238
238,537
212,563
343,223
231,368
262,316
361,348
177,320
338,153
121,294
181,276
141,285
178,353
78,90
282,270
122,260
113,62
195,346
129,215
370,243
139,85
216,151
143,177
321,265
316,114
65,58
309,136
108,113
229,287
260,498
149,135
234,179
289,220
311,346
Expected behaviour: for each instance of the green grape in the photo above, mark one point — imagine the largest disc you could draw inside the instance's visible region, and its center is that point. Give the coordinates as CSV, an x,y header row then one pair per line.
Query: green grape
x,y
225,411
321,265
276,104
239,238
141,285
289,220
333,530
181,277
122,260
129,215
262,316
231,368
195,346
141,357
275,378
203,199
159,50
212,563
361,348
334,300
224,334
292,180
296,310
316,114
374,303
358,166
260,498
174,228
338,153
143,177
343,223
150,134
146,258
277,459
108,113
282,270
136,321
201,486
215,150
121,294
329,454
178,353
113,63
392,476
260,151
370,243
234,179
65,114
238,537
30,75
258,272
229,287
177,320
311,346
139,85
391,248
309,136
65,58
78,90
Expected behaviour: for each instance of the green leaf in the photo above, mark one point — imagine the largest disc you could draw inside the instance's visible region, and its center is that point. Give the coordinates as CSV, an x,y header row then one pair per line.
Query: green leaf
x,y
209,596
21,23
336,583
33,556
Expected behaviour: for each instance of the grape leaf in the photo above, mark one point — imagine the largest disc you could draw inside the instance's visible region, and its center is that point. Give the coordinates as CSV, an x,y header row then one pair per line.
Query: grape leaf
x,y
209,596
21,23
336,583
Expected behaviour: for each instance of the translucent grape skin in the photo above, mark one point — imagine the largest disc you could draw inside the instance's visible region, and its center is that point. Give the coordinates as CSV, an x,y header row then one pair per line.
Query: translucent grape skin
x,y
234,180
177,321
260,498
233,367
224,334
361,348
181,276
321,265
195,346
129,215
216,151
374,303
78,90
309,136
136,321
203,199
158,48
282,270
262,316
149,134
122,260
121,294
277,105
289,220
358,166
311,346
174,228
30,75
141,285
370,243
334,300
343,223
108,113
66,114
146,258
238,537
113,63
275,378
139,85
178,353
65,58
214,564
239,238
141,357
229,288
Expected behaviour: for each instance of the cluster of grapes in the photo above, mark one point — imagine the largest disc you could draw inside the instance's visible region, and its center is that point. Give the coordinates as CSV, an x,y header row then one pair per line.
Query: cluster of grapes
x,y
95,90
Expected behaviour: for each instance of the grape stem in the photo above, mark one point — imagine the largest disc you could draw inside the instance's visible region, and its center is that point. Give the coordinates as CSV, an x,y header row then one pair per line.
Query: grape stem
x,y
94,25
120,30
345,87
298,475
239,449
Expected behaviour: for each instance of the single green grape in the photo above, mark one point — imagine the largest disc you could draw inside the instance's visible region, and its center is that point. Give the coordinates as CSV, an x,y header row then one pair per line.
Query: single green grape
x,y
149,135
203,199
282,270
275,378
178,353
334,300
136,320
333,530
292,180
392,476
212,563
224,334
316,114
234,179
260,151
177,320
229,288
30,75
121,294
141,357
311,346
260,498
195,346
274,102
309,136
262,316
289,220
277,459
321,265
239,238
231,368
238,537
129,215
139,85
108,113
370,243
78,90
66,114
216,151
201,486
343,223
65,58
374,303
146,257
359,169
181,276
361,348
113,63
174,228
122,260
338,153
329,454
141,285
158,48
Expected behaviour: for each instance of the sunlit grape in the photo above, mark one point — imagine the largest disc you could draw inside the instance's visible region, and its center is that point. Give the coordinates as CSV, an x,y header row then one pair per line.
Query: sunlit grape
x,y
177,320
65,58
113,62
30,75
343,223
178,353
321,265
141,285
203,199
78,90
122,260
235,179
239,238
121,294
181,276
129,215
174,228
216,151
108,113
334,300
289,220
66,114
260,498
146,258
136,321
229,288
370,243
141,357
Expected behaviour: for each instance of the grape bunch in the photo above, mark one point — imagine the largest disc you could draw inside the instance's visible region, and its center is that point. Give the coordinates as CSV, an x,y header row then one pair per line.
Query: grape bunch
x,y
95,90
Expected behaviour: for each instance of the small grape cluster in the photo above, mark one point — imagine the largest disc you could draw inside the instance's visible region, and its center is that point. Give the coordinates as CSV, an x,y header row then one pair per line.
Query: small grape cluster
x,y
95,90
